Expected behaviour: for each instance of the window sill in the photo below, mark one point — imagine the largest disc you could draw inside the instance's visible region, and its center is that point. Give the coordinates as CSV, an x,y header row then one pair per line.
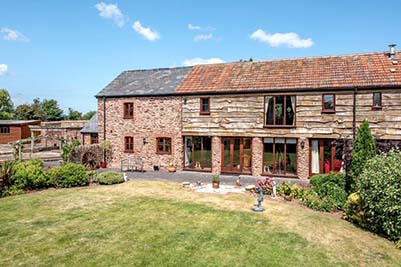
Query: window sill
x,y
281,175
279,126
376,107
328,111
128,118
204,113
128,151
163,153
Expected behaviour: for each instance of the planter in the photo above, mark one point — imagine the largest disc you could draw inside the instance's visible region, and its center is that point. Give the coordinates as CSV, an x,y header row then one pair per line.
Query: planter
x,y
216,185
103,165
171,168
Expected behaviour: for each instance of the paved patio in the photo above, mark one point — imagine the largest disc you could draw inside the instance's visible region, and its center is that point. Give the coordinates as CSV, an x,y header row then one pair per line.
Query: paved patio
x,y
192,177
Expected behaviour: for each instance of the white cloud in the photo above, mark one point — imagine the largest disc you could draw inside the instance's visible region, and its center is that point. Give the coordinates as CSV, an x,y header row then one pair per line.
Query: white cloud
x,y
199,28
199,61
203,37
111,11
148,33
193,27
290,39
3,69
13,35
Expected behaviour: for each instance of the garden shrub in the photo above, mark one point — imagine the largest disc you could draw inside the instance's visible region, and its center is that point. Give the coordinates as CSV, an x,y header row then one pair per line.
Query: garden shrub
x,y
284,189
379,187
331,186
353,209
68,175
398,245
28,175
297,191
6,172
363,149
110,177
314,201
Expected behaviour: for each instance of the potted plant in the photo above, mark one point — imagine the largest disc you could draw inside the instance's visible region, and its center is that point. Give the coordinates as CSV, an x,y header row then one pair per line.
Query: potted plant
x,y
106,148
216,181
171,167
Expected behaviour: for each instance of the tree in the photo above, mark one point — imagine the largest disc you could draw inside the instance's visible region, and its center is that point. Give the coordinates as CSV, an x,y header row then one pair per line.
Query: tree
x,y
88,115
73,115
364,149
6,105
50,110
24,112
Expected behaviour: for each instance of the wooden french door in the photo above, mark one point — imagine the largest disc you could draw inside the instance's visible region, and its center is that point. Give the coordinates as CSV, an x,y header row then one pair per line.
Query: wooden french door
x,y
323,157
236,155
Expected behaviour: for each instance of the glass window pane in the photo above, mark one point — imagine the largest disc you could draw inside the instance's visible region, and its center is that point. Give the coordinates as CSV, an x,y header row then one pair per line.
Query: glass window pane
x,y
290,110
376,99
268,140
291,141
207,152
268,158
160,144
269,110
328,102
247,155
168,145
188,152
279,140
279,110
197,151
291,159
279,159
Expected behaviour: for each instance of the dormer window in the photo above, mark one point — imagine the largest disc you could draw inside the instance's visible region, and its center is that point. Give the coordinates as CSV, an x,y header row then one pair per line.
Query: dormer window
x,y
328,103
205,105
128,110
377,100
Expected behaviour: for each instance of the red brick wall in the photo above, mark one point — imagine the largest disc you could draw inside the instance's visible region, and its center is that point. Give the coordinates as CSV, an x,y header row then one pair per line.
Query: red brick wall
x,y
153,117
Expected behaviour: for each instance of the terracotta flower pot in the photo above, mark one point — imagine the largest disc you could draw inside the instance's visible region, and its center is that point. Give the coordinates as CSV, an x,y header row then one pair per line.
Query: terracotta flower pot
x,y
216,185
103,165
171,168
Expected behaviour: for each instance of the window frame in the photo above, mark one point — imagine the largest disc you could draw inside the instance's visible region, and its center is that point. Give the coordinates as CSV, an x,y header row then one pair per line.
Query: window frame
x,y
192,168
126,111
285,158
265,125
333,110
129,150
164,152
373,100
5,129
201,110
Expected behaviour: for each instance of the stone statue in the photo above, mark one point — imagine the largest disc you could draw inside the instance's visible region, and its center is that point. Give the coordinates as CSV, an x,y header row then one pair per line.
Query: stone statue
x,y
259,191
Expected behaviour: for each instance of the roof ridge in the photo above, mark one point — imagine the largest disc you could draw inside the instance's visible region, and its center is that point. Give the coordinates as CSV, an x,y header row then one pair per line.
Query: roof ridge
x,y
165,68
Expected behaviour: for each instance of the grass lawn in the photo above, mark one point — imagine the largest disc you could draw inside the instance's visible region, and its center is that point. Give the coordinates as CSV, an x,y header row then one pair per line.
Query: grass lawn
x,y
160,224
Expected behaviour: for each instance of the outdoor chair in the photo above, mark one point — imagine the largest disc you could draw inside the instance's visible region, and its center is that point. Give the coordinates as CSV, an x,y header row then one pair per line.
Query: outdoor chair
x,y
132,164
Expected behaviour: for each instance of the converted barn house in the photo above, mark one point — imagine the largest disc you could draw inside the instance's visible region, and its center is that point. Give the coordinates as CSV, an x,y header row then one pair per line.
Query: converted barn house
x,y
285,118
14,130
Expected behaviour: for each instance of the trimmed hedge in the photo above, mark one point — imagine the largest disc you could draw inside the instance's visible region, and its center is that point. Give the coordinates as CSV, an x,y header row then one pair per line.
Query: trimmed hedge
x,y
379,187
110,177
68,175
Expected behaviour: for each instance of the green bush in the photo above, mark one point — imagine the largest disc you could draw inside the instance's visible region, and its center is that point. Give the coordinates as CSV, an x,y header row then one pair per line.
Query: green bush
x,y
353,209
363,149
110,177
379,186
314,201
298,192
330,186
284,189
28,175
6,172
68,175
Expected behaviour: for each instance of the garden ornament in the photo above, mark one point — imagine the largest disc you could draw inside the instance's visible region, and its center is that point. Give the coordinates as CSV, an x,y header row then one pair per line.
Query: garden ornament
x,y
259,191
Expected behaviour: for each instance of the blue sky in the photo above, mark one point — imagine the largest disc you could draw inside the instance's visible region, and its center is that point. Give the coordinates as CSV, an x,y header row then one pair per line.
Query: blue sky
x,y
69,50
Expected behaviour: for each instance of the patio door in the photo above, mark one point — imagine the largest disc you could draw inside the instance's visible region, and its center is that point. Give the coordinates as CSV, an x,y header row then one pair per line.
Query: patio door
x,y
324,156
236,155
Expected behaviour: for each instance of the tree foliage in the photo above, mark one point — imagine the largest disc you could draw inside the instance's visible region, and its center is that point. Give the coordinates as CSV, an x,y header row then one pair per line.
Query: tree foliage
x,y
51,110
88,115
6,105
364,149
73,115
379,187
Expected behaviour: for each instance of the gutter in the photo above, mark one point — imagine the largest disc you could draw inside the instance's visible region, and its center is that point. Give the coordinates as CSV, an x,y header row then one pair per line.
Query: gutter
x,y
261,91
104,118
